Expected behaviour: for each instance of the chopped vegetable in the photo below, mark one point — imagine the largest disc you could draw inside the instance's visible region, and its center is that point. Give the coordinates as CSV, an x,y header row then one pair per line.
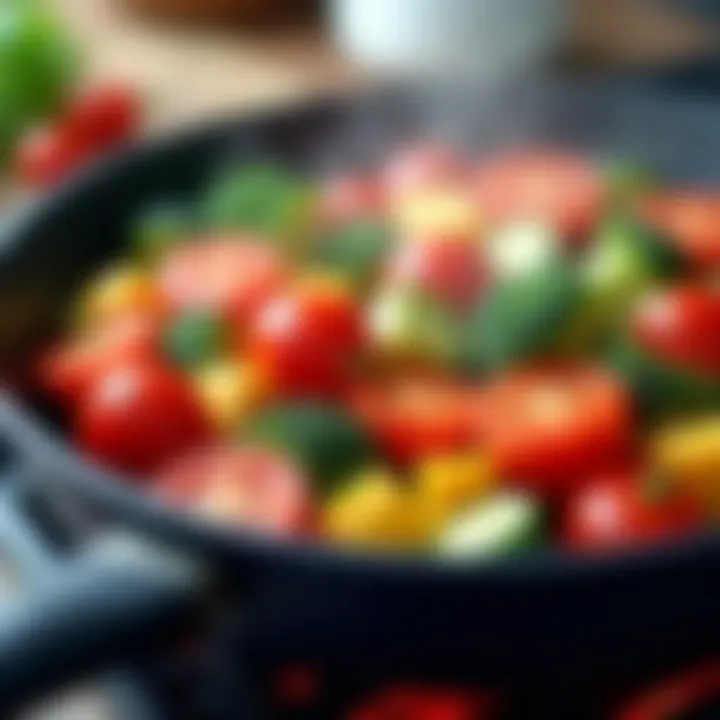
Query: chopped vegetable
x,y
195,337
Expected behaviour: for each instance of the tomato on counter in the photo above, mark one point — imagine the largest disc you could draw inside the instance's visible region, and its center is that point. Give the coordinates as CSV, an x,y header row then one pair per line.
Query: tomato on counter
x,y
405,358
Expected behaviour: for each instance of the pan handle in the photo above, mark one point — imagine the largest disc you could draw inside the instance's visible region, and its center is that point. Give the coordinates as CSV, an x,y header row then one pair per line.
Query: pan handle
x,y
116,601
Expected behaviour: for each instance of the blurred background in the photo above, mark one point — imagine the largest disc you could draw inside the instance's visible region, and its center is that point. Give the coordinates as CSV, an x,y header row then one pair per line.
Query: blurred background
x,y
146,67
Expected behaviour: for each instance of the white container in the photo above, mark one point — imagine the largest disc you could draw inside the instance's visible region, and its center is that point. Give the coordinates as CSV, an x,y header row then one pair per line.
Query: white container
x,y
449,37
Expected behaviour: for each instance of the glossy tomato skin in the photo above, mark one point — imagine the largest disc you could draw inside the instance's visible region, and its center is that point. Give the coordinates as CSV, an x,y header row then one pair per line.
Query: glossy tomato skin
x,y
546,428
137,416
229,275
447,268
69,368
549,186
680,326
691,221
246,486
46,155
421,167
415,418
104,115
678,697
618,511
352,197
307,340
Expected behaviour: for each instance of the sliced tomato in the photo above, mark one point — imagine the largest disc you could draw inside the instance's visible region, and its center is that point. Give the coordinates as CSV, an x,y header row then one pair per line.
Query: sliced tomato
x,y
692,220
307,340
448,268
681,325
349,198
620,511
546,428
421,167
560,189
68,368
243,486
422,703
137,416
229,275
413,418
678,697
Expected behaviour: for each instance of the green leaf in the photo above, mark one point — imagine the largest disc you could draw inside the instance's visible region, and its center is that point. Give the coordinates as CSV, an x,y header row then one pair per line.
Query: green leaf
x,y
195,337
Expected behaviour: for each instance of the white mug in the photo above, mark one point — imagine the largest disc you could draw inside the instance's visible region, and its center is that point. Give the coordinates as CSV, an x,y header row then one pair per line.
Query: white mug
x,y
449,37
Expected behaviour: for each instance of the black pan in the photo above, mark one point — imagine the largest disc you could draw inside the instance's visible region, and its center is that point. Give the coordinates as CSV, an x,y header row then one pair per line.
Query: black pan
x,y
539,618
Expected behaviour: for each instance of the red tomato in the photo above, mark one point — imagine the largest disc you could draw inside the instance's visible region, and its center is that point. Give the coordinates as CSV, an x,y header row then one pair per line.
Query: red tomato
x,y
681,325
69,368
414,418
562,190
418,703
352,197
307,340
104,115
253,487
230,275
616,511
136,417
546,428
46,155
677,698
420,167
692,221
449,269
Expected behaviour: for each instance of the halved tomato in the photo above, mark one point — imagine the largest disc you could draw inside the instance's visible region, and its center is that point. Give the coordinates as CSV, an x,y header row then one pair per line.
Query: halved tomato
x,y
229,275
547,428
448,268
137,416
692,221
416,417
553,187
244,486
307,340
619,511
421,167
68,368
681,325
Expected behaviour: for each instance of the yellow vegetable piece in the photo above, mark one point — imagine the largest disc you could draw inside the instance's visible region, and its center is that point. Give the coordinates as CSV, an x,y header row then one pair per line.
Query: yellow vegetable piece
x,y
439,210
376,510
119,291
446,484
688,455
229,390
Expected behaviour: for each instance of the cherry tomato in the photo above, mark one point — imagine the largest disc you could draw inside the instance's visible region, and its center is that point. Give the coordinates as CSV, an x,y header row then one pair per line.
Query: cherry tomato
x,y
46,155
678,698
692,221
69,368
681,325
449,269
137,416
419,703
415,418
421,167
619,511
546,428
232,276
307,340
104,115
559,189
352,197
252,487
